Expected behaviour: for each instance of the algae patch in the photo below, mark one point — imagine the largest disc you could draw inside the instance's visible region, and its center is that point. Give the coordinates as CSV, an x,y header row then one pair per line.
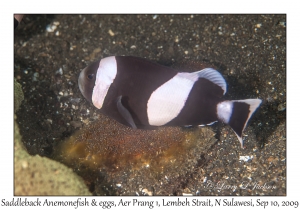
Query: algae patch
x,y
106,150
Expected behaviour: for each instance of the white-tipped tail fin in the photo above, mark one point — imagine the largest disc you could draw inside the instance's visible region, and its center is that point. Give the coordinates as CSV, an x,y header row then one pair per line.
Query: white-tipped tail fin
x,y
237,113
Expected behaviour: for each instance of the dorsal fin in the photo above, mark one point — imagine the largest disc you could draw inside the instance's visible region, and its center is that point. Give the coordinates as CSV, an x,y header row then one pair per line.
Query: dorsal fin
x,y
208,73
213,76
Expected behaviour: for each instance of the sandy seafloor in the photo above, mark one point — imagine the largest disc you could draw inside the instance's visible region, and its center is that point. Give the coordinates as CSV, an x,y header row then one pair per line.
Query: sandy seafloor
x,y
249,50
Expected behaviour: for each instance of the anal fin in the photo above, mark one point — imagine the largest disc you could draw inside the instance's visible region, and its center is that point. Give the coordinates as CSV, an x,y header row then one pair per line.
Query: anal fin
x,y
125,113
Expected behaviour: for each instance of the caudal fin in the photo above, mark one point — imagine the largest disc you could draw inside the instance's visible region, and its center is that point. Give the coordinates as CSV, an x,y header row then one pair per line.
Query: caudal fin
x,y
237,113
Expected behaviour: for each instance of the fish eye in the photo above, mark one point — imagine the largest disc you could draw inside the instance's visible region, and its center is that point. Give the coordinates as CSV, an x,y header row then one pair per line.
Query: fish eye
x,y
90,76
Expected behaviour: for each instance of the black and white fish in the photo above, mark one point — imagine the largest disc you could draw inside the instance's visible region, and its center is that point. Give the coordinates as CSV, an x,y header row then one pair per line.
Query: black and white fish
x,y
142,94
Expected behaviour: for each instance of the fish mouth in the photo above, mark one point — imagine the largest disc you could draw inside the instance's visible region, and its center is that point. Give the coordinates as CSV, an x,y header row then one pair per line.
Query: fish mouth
x,y
81,84
80,80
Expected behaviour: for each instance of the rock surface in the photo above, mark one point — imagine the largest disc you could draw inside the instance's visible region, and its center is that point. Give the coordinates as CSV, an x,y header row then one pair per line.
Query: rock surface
x,y
36,175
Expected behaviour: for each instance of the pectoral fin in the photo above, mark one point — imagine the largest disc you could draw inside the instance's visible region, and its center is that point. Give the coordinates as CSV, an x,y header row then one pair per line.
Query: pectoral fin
x,y
125,113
